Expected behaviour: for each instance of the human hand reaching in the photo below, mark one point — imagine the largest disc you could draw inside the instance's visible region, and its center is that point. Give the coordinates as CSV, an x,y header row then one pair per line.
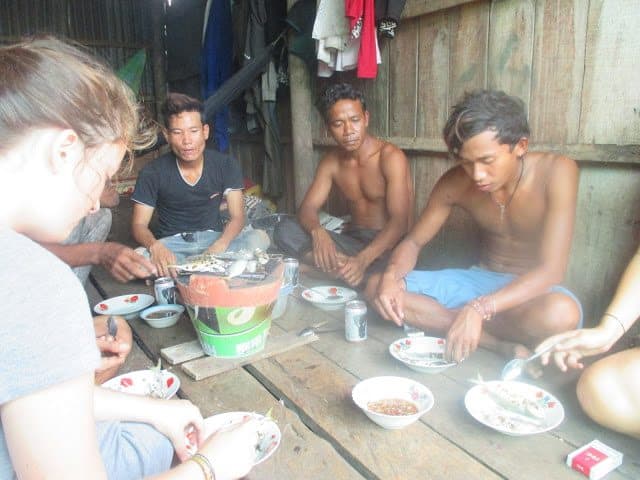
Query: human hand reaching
x,y
232,450
571,347
113,349
463,335
162,258
324,250
125,264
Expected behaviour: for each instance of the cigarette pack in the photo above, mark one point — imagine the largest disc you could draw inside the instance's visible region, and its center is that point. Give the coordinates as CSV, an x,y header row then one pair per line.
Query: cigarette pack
x,y
594,460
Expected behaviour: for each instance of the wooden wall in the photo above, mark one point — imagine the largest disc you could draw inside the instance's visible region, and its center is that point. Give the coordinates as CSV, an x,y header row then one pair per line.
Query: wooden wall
x,y
113,29
575,64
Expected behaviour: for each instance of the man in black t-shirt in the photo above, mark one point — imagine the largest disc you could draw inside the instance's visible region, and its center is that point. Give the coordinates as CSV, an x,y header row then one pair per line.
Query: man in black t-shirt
x,y
186,188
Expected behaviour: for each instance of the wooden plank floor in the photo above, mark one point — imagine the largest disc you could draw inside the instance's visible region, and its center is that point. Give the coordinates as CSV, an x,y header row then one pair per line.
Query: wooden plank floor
x,y
325,436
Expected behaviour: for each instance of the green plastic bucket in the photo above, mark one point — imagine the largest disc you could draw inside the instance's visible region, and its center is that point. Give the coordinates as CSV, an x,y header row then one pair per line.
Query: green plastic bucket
x,y
234,345
228,320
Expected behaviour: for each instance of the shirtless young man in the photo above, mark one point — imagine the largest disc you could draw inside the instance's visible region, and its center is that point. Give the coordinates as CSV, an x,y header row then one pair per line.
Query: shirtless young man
x,y
374,178
524,205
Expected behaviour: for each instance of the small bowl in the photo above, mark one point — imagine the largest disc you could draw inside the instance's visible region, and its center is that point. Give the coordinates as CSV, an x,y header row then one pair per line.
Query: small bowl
x,y
173,312
392,388
422,354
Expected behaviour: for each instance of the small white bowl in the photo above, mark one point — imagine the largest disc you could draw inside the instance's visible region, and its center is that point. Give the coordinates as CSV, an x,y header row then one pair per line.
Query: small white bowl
x,y
391,388
164,321
422,354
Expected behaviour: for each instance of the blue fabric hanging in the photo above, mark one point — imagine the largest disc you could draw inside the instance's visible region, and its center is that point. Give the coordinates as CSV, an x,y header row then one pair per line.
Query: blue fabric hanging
x,y
217,63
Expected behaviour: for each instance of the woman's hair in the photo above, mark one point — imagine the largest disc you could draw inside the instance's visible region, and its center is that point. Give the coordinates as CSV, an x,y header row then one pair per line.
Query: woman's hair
x,y
483,110
337,92
177,103
46,83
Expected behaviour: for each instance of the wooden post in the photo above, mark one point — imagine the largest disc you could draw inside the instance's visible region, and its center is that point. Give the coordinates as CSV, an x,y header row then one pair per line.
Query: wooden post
x,y
157,57
301,131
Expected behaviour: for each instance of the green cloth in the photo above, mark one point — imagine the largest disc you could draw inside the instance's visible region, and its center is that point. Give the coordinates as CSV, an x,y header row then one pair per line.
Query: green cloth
x,y
131,72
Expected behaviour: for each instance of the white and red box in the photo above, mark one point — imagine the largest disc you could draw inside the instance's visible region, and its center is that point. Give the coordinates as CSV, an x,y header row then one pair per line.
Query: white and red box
x,y
594,460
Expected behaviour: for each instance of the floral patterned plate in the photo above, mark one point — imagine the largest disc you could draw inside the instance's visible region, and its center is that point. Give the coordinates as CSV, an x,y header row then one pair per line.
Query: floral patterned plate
x,y
124,304
329,297
145,382
268,432
489,403
422,354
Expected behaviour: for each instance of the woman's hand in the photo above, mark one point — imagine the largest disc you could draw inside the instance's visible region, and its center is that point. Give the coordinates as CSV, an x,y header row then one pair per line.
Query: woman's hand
x,y
232,450
572,346
181,422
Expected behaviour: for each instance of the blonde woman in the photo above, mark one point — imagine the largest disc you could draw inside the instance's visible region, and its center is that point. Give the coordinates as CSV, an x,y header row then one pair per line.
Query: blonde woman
x,y
66,122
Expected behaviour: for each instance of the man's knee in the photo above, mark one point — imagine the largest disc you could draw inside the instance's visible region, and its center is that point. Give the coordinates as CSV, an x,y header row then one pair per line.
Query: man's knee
x,y
562,312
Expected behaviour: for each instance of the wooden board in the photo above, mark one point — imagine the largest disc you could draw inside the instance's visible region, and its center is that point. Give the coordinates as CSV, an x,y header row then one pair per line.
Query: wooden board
x,y
511,47
541,454
321,391
610,109
402,79
182,352
209,366
469,29
433,77
558,67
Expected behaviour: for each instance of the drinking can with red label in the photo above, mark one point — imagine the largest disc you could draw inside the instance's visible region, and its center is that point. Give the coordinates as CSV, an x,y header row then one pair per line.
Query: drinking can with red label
x,y
165,290
355,321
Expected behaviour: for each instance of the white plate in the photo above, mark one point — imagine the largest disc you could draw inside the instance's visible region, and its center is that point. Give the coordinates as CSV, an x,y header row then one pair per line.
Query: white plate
x,y
421,354
329,297
124,304
143,382
481,405
268,431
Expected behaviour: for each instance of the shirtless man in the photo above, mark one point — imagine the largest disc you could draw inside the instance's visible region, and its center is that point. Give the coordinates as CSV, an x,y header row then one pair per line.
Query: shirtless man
x,y
524,205
374,178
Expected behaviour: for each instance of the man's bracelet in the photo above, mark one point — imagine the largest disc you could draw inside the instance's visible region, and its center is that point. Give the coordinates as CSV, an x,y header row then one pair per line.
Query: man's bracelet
x,y
205,465
485,306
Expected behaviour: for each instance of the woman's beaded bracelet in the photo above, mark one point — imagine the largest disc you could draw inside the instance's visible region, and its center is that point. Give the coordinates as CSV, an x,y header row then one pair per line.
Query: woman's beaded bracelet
x,y
607,314
205,465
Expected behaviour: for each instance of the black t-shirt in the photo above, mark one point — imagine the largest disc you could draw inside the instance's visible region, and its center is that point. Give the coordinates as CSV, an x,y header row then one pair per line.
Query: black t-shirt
x,y
181,207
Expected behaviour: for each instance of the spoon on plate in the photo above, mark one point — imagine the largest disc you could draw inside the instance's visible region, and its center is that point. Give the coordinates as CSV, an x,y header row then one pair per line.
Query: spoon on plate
x,y
514,368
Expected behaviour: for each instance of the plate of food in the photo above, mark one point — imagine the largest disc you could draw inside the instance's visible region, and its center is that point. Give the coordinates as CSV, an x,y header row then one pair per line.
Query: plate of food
x,y
150,383
329,297
267,431
125,305
422,354
514,408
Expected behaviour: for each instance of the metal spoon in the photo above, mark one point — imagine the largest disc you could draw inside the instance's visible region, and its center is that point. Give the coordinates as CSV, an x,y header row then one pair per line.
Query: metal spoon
x,y
513,369
112,326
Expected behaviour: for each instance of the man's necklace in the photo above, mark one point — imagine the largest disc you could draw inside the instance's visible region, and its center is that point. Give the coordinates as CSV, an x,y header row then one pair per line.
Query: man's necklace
x,y
503,206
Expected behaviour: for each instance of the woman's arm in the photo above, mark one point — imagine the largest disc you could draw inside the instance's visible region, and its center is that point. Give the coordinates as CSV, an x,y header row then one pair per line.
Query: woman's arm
x,y
619,316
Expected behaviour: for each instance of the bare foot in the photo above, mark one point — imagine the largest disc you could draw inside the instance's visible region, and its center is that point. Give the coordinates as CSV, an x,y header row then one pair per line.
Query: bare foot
x,y
511,350
531,369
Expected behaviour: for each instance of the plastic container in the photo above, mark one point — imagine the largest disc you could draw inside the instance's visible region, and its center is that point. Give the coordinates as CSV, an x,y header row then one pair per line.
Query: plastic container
x,y
235,345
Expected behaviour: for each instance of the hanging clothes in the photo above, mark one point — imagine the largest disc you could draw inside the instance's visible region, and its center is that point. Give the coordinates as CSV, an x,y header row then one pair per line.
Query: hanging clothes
x,y
336,48
361,14
388,14
261,99
217,62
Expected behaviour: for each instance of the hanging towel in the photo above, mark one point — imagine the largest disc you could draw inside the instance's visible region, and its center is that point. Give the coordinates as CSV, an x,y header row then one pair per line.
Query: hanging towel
x,y
217,63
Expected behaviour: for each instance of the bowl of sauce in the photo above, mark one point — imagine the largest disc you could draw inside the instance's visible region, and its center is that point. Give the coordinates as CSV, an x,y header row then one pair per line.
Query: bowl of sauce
x,y
162,316
392,402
